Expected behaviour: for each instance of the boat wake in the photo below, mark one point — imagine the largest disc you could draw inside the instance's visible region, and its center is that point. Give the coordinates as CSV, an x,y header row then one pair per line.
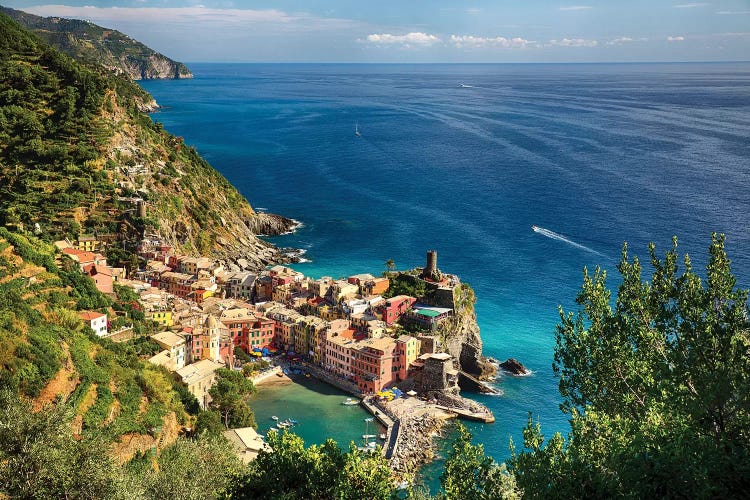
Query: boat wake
x,y
560,237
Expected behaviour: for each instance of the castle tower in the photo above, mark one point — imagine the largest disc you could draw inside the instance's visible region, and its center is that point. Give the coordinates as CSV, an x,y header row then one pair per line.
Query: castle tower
x,y
431,269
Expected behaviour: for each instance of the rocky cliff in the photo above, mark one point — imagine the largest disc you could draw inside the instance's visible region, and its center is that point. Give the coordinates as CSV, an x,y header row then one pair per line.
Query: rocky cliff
x,y
93,44
460,335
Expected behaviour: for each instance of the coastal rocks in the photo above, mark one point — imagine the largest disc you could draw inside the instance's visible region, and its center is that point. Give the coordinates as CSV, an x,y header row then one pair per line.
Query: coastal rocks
x,y
416,446
262,223
515,367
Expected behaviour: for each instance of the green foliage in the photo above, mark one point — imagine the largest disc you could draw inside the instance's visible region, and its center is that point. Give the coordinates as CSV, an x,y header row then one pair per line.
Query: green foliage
x,y
40,459
209,422
657,387
99,411
229,398
470,474
405,284
322,472
199,469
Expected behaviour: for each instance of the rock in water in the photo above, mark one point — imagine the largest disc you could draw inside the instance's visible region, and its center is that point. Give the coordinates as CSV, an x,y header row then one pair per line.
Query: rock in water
x,y
514,366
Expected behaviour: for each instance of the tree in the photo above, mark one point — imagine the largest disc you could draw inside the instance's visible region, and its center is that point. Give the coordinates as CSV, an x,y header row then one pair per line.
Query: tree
x,y
228,397
390,265
40,459
657,387
470,474
193,469
209,422
292,471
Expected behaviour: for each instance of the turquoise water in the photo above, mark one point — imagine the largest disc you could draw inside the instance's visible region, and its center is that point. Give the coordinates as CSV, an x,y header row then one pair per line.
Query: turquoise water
x,y
316,407
596,154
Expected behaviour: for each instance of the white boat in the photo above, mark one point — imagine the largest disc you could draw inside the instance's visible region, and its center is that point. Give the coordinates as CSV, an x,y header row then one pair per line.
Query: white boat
x,y
356,130
273,429
350,402
368,436
275,418
382,436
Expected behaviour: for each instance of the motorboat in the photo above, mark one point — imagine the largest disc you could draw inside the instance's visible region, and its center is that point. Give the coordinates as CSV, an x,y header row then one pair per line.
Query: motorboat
x,y
274,417
350,402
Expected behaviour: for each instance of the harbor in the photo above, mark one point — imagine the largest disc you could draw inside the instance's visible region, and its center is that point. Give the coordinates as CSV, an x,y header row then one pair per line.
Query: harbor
x,y
316,406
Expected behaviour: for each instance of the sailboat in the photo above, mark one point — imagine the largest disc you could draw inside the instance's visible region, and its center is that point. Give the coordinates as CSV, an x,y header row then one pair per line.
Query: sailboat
x,y
356,130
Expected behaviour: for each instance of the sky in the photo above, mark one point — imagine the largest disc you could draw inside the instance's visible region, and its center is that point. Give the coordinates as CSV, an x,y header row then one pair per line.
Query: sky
x,y
415,31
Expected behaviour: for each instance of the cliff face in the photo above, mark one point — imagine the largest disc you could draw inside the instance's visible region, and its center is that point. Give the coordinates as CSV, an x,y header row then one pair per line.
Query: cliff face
x,y
94,44
461,337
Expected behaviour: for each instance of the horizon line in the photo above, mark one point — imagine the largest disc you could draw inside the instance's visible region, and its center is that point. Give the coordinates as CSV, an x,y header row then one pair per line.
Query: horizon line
x,y
453,63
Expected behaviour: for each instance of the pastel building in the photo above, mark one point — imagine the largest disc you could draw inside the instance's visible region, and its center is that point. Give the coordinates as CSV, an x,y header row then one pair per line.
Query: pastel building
x,y
394,307
372,364
173,355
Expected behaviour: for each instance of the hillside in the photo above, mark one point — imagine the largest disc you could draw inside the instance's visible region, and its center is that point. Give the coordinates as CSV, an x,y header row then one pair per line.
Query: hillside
x,y
88,42
48,353
78,154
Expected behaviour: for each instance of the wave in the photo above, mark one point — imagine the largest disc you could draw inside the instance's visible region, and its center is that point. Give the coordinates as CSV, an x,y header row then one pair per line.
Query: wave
x,y
559,237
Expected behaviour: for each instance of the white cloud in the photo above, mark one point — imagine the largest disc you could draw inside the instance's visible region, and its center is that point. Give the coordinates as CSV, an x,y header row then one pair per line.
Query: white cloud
x,y
470,41
414,39
574,42
192,16
690,5
576,7
675,38
621,40
733,12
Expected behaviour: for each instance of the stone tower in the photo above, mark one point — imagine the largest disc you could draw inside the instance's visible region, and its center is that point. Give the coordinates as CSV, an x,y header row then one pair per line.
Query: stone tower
x,y
431,269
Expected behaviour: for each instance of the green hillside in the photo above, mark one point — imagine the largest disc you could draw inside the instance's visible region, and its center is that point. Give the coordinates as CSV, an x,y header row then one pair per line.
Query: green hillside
x,y
88,42
76,152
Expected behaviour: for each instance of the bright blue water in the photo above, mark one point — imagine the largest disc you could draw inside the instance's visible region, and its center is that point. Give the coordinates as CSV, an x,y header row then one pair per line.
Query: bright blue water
x,y
598,153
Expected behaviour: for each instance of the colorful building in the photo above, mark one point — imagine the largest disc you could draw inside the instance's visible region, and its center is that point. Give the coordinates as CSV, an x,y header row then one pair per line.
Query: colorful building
x,y
372,364
394,307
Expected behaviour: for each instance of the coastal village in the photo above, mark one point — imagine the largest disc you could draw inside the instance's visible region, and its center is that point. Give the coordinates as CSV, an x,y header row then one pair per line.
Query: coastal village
x,y
353,333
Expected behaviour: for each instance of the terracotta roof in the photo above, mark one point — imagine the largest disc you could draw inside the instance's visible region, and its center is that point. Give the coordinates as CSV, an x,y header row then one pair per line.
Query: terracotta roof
x,y
90,315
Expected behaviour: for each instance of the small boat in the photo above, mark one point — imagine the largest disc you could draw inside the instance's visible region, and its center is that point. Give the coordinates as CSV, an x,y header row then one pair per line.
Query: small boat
x,y
356,130
292,421
382,436
350,402
274,417
368,436
274,429
283,425
372,444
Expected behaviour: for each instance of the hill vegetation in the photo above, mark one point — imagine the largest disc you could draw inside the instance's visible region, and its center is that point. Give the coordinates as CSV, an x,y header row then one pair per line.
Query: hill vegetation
x,y
78,154
93,44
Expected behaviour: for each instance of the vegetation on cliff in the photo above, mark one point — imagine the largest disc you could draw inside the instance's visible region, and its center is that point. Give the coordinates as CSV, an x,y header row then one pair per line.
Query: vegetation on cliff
x,y
93,44
657,387
77,154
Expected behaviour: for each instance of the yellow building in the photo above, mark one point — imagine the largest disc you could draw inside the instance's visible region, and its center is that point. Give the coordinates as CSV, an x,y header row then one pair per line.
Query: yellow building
x,y
88,243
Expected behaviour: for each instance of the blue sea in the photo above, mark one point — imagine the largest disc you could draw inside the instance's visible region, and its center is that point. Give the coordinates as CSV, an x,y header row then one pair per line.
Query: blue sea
x,y
464,159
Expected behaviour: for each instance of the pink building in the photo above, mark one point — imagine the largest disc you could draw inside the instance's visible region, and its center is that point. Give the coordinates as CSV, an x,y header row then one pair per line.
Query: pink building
x,y
394,307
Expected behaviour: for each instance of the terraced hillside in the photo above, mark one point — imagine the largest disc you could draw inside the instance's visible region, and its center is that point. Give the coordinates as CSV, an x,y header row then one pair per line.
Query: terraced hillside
x,y
77,153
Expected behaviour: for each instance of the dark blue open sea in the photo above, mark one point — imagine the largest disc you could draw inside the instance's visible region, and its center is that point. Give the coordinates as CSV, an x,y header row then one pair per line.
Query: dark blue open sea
x,y
464,159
